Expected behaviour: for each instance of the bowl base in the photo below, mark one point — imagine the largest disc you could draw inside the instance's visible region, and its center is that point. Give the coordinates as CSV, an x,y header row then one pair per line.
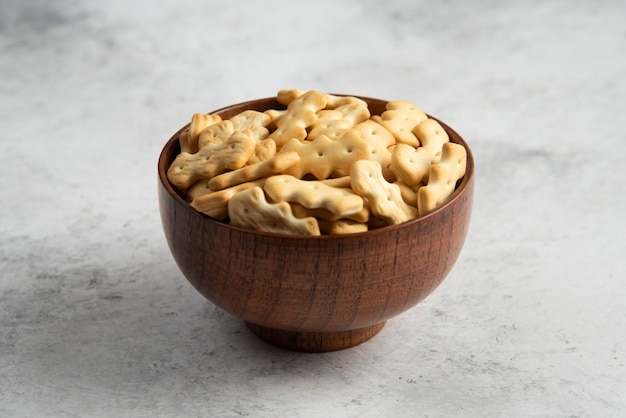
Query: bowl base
x,y
316,342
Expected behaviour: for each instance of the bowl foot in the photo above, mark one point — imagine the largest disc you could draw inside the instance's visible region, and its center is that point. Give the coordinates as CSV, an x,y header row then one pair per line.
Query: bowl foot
x,y
316,342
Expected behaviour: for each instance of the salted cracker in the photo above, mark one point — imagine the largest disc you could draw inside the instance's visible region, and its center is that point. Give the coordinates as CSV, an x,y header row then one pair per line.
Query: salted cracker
x,y
199,122
380,140
313,194
186,169
263,150
443,177
341,227
385,198
215,203
323,156
320,213
400,118
216,133
252,120
410,164
301,114
250,209
276,164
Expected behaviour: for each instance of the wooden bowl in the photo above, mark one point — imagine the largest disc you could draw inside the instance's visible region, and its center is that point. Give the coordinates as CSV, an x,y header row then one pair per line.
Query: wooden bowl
x,y
320,293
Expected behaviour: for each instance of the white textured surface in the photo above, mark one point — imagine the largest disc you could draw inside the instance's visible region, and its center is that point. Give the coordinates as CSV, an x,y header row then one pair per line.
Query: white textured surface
x,y
95,318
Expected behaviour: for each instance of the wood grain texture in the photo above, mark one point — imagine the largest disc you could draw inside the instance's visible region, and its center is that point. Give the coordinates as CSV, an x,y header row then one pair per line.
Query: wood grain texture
x,y
314,293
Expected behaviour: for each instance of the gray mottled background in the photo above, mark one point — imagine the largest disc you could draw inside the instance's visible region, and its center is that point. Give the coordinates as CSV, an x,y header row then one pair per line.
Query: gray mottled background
x,y
96,319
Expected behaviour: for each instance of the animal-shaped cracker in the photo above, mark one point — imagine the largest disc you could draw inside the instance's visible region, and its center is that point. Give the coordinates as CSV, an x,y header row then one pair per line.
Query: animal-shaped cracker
x,y
335,122
409,194
215,204
343,181
320,213
385,198
431,135
356,112
341,227
330,123
185,146
287,96
379,139
400,117
412,165
334,101
300,114
276,164
199,122
313,194
216,133
323,156
255,121
250,209
199,188
211,160
263,150
443,177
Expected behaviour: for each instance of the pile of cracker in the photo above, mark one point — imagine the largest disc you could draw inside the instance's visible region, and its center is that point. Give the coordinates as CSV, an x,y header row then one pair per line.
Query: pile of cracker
x,y
321,166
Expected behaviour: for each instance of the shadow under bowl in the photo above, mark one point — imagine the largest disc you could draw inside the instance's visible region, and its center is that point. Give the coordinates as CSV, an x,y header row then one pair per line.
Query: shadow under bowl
x,y
314,294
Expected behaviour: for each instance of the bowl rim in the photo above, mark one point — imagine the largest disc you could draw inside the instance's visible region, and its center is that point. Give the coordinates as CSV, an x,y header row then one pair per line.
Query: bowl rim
x,y
163,165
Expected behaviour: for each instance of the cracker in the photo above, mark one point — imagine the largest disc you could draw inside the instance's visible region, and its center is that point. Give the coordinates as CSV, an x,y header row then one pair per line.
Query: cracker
x,y
385,198
185,146
215,204
276,164
320,213
199,188
250,209
400,118
409,194
216,133
411,165
263,150
343,181
322,156
252,120
355,112
334,101
301,114
211,160
443,177
199,122
313,194
330,123
333,123
431,135
341,227
286,96
379,139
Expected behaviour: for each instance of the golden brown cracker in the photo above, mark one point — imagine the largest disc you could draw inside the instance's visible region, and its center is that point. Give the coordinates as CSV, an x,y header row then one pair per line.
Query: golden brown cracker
x,y
301,114
385,198
211,160
443,177
276,164
380,140
322,156
250,209
215,203
400,118
313,194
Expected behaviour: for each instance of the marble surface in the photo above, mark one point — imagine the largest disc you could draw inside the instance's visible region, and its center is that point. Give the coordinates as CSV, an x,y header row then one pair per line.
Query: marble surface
x,y
96,319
